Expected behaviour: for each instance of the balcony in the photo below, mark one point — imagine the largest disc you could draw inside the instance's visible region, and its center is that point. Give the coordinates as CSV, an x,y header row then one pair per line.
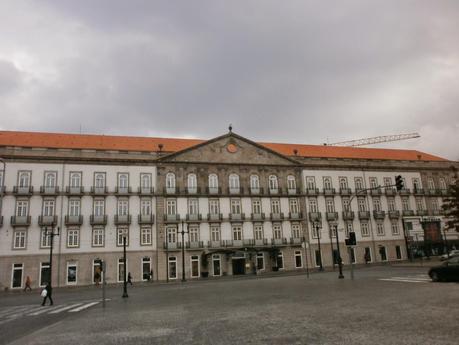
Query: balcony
x,y
122,190
431,192
407,213
73,220
122,219
275,191
315,216
192,190
421,213
329,191
214,244
295,215
171,218
379,214
44,190
348,215
394,214
193,217
172,245
443,192
233,243
376,192
146,219
20,220
404,191
361,191
23,190
236,217
364,215
390,191
296,240
146,191
213,190
74,190
214,217
331,216
276,216
293,191
99,190
279,241
436,212
170,190
235,190
98,220
312,191
194,245
260,243
248,242
47,220
257,217
418,191
345,191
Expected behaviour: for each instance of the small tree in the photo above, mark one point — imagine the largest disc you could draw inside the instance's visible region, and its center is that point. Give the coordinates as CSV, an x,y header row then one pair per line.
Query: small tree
x,y
451,204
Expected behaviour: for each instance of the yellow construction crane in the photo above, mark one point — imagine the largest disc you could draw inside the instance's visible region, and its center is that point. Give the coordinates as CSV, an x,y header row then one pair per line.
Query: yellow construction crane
x,y
376,140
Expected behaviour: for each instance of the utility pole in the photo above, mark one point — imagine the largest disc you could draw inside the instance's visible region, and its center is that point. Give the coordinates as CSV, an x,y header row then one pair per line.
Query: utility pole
x,y
340,262
317,227
51,235
183,232
125,294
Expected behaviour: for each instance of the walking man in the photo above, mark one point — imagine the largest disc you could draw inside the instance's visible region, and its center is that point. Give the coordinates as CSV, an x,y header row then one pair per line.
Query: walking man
x,y
129,280
28,284
49,291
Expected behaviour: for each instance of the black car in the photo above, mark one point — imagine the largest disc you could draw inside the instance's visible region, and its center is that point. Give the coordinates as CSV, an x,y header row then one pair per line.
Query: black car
x,y
447,271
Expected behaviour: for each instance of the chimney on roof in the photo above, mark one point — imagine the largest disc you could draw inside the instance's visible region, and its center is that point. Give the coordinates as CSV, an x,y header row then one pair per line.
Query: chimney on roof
x,y
419,157
295,152
160,147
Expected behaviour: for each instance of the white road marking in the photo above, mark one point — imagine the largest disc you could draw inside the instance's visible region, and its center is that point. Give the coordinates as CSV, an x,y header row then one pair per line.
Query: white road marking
x,y
403,280
42,311
83,307
65,308
414,278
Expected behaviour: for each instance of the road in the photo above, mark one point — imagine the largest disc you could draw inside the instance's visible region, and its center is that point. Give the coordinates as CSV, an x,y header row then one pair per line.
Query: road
x,y
383,305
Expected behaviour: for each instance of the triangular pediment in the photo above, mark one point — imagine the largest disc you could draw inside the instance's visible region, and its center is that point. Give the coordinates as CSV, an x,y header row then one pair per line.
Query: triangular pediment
x,y
229,149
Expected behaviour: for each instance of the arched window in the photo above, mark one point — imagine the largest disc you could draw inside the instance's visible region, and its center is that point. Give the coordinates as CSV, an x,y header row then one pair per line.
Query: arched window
x,y
254,182
145,181
442,184
24,179
430,183
273,182
234,181
123,181
100,181
327,183
343,183
192,181
50,180
291,182
75,180
213,181
170,180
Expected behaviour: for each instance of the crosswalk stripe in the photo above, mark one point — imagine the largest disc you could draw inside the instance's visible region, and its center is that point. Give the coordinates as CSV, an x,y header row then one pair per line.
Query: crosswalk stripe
x,y
65,308
22,312
414,278
404,280
83,307
43,310
13,310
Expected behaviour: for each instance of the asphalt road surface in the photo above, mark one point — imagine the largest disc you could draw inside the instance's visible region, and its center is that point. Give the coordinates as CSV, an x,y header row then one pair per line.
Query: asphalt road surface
x,y
383,305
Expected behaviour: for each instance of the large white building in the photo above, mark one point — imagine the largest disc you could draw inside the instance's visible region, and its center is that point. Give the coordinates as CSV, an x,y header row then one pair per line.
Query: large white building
x,y
245,207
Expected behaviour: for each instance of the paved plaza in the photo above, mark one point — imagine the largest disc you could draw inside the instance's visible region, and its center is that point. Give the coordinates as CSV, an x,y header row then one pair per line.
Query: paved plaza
x,y
383,305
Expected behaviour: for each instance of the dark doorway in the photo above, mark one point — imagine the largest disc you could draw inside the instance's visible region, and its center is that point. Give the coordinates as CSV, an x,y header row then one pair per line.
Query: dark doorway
x,y
238,266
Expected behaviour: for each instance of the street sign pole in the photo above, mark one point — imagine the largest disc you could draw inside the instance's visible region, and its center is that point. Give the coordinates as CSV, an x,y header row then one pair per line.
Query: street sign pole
x,y
103,283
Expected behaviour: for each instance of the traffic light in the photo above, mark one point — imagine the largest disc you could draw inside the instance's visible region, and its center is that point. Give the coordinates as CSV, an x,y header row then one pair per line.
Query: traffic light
x,y
399,182
351,241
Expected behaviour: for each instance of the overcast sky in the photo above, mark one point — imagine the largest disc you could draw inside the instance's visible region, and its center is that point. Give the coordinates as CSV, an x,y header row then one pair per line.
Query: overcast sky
x,y
279,71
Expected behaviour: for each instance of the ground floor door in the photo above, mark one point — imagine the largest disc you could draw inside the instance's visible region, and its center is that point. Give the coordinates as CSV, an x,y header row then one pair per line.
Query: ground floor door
x,y
238,266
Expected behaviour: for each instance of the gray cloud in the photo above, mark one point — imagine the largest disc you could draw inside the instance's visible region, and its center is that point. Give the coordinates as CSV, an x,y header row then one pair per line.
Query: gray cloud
x,y
294,71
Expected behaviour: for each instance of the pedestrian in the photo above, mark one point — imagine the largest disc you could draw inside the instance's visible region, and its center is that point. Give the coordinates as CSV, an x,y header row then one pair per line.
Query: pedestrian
x,y
150,278
97,276
367,257
28,284
46,293
129,278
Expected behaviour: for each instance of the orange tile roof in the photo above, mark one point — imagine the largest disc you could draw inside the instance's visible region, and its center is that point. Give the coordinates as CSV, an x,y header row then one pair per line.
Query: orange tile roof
x,y
149,144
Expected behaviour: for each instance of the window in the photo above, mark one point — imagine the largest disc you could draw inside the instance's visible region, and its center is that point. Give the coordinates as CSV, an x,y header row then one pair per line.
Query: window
x,y
146,269
434,204
419,204
237,233
277,232
313,205
367,255
22,208
194,266
373,182
19,239
330,205
45,239
171,234
44,273
75,179
391,204
216,266
192,182
172,267
50,179
73,238
213,181
349,228
235,206
145,207
254,182
121,270
380,229
358,181
72,271
382,252
273,184
99,207
214,206
171,207
98,237
170,180
416,184
310,182
234,181
280,260
395,228
1,178
97,273
293,203
298,259
387,181
99,180
17,271
346,204
256,206
327,183
193,207
123,207
193,233
296,233
215,233
260,261
275,206
291,182
123,180
48,208
121,234
24,179
406,204
74,207
145,236
376,204
430,183
362,205
398,252
442,183
316,233
332,231
364,229
258,232
343,183
145,181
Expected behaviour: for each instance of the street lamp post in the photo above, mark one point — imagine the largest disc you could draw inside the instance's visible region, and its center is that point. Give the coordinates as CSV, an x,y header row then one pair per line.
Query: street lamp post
x,y
340,262
183,232
125,294
445,242
51,235
317,227
2,185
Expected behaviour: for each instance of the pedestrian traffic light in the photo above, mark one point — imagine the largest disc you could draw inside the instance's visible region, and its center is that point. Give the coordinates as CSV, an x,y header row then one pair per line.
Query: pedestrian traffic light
x,y
399,182
351,241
